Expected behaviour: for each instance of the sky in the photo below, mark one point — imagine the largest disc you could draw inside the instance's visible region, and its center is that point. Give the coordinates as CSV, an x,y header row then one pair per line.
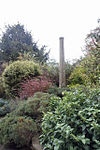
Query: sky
x,y
50,19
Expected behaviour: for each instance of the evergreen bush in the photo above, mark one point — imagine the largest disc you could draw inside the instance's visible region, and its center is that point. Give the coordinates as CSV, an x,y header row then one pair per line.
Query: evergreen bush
x,y
15,73
2,102
17,130
2,90
24,122
4,107
4,110
34,106
74,121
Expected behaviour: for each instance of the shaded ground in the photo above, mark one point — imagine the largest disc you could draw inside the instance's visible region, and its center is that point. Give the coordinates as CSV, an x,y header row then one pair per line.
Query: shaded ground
x,y
12,148
35,145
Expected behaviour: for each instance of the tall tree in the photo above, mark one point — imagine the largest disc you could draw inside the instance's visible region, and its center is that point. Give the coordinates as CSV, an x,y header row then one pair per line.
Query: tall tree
x,y
16,41
93,43
41,55
87,70
93,50
91,63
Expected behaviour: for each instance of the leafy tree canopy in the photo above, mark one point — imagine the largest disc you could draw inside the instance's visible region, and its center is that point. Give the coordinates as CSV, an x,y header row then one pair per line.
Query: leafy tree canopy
x,y
92,46
88,69
15,41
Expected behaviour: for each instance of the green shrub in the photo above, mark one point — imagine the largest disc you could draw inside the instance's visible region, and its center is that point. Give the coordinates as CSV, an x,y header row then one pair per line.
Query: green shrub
x,y
7,106
33,85
17,130
57,91
74,123
2,102
51,70
2,90
78,76
4,107
3,65
13,104
4,110
34,107
19,126
15,73
87,72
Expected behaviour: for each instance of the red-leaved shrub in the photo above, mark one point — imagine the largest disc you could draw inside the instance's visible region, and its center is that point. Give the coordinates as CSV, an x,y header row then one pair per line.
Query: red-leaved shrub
x,y
31,86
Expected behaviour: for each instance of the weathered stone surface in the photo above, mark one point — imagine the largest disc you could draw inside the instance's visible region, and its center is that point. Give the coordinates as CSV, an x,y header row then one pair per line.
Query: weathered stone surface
x,y
35,143
61,63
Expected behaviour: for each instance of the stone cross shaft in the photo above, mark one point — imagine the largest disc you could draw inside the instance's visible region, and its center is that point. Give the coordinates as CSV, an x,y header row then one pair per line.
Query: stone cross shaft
x,y
61,63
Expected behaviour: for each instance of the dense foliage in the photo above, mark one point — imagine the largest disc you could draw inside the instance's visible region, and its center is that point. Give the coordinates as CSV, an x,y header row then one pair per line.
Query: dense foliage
x,y
71,117
34,106
57,91
17,130
24,121
2,90
33,85
2,102
16,40
74,122
51,70
4,110
4,107
15,73
87,71
78,76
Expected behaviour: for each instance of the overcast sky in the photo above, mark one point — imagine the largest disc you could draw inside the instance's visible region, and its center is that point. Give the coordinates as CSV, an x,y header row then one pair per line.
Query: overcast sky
x,y
50,19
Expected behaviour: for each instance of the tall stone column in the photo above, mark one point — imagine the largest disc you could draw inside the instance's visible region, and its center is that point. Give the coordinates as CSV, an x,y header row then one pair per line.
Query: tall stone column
x,y
61,63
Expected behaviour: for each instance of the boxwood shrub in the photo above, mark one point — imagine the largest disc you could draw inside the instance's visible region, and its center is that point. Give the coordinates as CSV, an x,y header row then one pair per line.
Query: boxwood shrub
x,y
15,73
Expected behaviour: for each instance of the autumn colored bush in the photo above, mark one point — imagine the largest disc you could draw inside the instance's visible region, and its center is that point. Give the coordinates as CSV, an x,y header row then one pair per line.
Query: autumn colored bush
x,y
31,86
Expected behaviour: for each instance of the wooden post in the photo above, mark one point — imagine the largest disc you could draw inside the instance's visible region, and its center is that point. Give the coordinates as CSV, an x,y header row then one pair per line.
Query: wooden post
x,y
61,63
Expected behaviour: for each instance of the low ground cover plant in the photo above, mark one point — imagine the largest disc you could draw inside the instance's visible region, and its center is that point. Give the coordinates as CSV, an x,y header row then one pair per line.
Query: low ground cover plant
x,y
74,122
24,121
17,130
